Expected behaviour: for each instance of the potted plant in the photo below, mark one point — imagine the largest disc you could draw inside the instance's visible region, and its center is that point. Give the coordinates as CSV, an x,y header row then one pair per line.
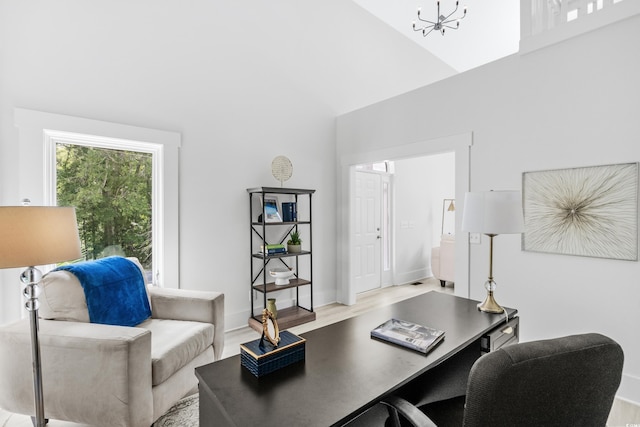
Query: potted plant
x,y
294,244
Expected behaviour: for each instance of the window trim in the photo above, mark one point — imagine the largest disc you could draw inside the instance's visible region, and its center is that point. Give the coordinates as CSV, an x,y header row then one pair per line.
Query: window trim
x,y
52,138
38,130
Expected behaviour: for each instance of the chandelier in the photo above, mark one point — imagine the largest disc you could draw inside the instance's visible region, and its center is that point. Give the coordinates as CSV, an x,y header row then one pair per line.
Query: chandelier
x,y
441,23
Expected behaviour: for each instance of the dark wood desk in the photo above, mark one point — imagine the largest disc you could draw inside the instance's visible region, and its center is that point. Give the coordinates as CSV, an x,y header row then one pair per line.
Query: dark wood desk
x,y
345,371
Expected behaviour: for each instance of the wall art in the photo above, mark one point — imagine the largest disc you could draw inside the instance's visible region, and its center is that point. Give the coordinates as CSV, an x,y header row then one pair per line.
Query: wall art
x,y
587,211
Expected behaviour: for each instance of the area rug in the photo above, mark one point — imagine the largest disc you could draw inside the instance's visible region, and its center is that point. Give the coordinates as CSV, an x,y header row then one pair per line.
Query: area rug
x,y
185,413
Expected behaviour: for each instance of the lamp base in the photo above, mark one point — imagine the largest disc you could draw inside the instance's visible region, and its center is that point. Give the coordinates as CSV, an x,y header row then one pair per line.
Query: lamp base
x,y
489,305
30,277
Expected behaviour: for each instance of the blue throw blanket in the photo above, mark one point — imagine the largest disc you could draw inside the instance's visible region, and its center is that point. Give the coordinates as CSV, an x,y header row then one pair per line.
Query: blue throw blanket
x,y
114,289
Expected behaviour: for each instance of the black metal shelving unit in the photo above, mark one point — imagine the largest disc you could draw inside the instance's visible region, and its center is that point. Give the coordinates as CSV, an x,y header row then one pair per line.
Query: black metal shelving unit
x,y
297,314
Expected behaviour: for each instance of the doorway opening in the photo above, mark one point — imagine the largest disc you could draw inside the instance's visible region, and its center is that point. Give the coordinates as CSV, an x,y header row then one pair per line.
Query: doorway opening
x,y
459,145
372,226
397,218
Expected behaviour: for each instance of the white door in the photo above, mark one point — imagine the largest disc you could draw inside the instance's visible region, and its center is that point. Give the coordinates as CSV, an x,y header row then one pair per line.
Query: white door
x,y
367,238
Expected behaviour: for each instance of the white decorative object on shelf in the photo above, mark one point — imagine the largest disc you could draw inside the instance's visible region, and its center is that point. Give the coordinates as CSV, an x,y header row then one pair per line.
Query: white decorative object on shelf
x,y
282,275
281,169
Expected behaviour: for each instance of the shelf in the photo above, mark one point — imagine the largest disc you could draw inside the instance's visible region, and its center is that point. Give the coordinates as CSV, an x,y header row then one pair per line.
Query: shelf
x,y
279,190
263,233
272,287
287,318
285,255
280,223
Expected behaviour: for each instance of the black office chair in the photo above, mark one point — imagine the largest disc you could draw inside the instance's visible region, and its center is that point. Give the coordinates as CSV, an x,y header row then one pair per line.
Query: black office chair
x,y
568,381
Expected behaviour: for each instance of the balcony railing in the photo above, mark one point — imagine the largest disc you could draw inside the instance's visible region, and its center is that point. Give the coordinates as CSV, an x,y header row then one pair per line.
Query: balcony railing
x,y
544,22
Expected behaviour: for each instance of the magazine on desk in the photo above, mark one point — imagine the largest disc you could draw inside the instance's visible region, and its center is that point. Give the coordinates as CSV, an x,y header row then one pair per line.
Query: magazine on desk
x,y
407,334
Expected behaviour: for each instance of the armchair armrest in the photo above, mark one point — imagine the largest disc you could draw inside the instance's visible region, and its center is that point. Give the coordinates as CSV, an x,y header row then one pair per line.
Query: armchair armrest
x,y
195,306
397,405
103,370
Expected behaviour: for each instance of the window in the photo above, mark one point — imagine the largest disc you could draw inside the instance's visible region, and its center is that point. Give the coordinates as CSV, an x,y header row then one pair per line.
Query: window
x,y
112,192
88,172
384,167
40,132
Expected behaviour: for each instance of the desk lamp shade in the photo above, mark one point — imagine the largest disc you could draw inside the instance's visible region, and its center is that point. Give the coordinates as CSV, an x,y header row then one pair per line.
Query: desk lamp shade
x,y
492,213
30,236
37,235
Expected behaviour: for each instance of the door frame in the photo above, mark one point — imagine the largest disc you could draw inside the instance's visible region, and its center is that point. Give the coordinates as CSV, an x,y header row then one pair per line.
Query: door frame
x,y
460,144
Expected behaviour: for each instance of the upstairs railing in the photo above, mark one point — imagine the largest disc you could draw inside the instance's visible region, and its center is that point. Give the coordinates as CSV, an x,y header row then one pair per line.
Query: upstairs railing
x,y
544,22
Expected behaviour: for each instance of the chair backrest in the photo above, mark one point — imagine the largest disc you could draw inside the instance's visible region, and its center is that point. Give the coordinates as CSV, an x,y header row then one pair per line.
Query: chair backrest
x,y
558,382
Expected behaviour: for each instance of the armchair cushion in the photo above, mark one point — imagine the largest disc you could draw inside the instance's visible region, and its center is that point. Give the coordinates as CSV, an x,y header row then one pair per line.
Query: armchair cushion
x,y
175,343
114,290
62,298
193,306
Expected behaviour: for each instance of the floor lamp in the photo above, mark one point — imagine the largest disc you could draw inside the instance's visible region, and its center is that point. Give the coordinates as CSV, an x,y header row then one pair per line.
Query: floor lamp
x,y
30,236
492,213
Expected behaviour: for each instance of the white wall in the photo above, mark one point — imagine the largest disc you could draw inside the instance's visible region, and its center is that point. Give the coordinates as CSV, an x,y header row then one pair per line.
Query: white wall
x,y
419,185
150,68
571,104
241,82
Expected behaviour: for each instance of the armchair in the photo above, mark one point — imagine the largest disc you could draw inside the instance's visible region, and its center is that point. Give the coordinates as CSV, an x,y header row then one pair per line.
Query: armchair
x,y
564,381
442,259
107,375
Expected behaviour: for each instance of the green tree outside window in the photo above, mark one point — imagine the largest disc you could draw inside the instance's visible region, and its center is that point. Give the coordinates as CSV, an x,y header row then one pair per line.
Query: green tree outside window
x,y
111,190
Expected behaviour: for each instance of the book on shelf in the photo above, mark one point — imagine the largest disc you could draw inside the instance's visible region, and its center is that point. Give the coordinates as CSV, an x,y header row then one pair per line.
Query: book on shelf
x,y
276,246
273,252
273,249
289,212
407,334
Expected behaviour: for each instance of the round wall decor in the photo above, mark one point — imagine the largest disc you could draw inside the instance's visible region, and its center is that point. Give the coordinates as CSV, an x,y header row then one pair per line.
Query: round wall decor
x,y
281,169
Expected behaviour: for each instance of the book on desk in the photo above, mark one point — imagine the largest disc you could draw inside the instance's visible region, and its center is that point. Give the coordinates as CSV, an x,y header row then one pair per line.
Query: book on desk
x,y
407,334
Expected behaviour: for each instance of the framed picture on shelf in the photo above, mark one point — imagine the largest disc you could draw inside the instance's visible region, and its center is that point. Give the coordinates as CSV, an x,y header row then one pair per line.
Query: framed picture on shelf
x,y
271,211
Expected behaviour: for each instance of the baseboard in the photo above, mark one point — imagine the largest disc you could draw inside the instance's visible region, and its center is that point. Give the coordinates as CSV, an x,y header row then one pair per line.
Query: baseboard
x,y
624,413
412,276
626,406
629,389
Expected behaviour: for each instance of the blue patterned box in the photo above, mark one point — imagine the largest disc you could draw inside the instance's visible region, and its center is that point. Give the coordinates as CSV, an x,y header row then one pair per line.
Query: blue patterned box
x,y
261,359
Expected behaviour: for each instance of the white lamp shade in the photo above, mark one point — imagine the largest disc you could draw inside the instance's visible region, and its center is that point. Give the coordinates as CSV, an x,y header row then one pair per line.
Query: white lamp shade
x,y
37,235
493,212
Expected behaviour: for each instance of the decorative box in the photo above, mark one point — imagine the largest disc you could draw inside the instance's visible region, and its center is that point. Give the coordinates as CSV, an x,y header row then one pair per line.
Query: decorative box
x,y
261,357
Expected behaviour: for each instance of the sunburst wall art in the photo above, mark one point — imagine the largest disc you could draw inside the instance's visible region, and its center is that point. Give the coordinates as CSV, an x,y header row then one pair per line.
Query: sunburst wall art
x,y
589,211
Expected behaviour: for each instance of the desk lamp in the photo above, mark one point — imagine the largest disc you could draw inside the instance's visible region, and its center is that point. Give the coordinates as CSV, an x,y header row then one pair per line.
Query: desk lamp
x,y
492,213
30,236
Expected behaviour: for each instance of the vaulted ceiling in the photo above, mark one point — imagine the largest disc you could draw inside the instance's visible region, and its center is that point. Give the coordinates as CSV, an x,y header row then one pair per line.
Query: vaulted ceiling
x,y
342,54
491,29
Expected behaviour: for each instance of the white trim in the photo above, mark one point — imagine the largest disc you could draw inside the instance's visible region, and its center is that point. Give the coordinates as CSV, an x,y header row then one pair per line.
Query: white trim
x,y
37,132
630,389
52,137
460,144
